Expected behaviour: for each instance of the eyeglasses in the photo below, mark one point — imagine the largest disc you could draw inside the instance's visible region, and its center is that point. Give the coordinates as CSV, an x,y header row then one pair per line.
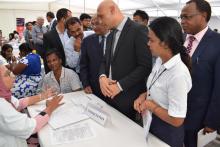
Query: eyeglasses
x,y
188,17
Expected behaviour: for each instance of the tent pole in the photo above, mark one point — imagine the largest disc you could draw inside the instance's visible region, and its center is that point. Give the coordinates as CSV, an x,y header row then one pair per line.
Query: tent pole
x,y
179,9
84,7
158,7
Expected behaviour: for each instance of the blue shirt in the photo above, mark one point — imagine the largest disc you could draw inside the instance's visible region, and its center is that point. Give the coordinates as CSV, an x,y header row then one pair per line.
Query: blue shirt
x,y
33,64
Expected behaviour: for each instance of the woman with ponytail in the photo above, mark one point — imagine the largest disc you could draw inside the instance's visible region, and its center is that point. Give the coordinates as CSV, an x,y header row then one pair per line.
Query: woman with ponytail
x,y
168,83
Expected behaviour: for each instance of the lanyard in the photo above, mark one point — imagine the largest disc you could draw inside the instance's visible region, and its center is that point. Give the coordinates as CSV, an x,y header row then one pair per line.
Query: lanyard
x,y
154,80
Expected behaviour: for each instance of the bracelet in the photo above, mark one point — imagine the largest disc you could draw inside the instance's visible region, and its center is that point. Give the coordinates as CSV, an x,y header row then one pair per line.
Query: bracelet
x,y
154,109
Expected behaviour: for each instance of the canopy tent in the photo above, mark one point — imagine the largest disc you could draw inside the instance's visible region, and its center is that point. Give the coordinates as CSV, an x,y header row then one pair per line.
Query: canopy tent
x,y
153,7
30,9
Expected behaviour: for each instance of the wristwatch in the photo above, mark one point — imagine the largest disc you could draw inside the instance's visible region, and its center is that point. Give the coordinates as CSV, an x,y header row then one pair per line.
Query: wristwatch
x,y
42,113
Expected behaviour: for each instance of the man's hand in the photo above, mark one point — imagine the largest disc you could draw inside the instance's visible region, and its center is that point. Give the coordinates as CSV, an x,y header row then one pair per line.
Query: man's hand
x,y
88,90
115,89
104,85
77,44
208,130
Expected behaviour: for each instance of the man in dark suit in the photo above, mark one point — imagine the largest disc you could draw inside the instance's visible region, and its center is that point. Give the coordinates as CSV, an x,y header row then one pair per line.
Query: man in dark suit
x,y
56,37
92,51
127,62
52,20
203,45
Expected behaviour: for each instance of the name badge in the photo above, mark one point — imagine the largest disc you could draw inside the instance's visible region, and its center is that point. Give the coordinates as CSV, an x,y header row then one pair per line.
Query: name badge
x,y
96,114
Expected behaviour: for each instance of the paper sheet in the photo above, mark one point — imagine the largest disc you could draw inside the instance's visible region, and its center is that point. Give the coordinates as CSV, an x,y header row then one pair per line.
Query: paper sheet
x,y
205,139
73,133
72,113
147,118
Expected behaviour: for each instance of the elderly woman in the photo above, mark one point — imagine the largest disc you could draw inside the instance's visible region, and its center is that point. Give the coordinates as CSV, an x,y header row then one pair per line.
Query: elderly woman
x,y
62,79
168,83
28,73
16,127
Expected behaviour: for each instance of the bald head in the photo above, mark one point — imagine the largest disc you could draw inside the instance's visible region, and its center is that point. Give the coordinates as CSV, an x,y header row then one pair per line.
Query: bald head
x,y
109,14
107,4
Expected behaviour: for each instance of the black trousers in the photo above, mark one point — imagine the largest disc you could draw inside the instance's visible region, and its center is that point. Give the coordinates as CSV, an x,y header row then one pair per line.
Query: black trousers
x,y
190,138
173,136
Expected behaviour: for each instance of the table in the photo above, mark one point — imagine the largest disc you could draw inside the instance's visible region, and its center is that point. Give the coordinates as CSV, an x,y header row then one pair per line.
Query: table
x,y
121,132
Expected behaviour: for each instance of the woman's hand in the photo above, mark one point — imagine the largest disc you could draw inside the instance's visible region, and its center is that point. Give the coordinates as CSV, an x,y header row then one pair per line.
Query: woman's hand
x,y
53,104
14,60
139,101
49,92
148,105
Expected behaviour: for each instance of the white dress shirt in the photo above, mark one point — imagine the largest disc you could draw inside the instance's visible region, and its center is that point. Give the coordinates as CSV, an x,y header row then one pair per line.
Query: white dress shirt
x,y
169,84
72,57
51,23
117,35
196,42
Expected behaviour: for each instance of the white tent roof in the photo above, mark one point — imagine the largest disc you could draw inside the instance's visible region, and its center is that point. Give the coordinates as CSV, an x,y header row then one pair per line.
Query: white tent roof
x,y
152,7
31,9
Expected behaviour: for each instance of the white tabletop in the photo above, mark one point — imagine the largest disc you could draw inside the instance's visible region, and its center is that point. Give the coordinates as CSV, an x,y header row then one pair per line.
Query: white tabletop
x,y
120,132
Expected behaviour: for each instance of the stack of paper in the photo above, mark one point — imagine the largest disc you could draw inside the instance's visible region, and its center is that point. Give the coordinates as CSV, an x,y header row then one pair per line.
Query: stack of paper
x,y
65,115
73,133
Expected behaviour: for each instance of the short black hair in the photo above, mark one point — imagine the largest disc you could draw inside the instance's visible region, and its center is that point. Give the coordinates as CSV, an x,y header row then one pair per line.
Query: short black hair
x,y
62,13
5,47
25,47
15,32
33,22
50,14
72,21
202,6
216,30
142,14
84,16
11,36
26,25
53,51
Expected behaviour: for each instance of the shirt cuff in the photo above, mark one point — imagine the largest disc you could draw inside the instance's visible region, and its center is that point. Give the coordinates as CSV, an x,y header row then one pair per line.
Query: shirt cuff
x,y
119,86
23,103
41,121
102,75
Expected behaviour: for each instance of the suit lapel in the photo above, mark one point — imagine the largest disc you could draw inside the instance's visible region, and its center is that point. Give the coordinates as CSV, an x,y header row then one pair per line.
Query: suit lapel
x,y
121,38
57,39
202,45
97,46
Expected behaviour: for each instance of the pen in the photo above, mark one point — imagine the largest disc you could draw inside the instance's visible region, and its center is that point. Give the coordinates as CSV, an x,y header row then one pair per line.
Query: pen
x,y
89,97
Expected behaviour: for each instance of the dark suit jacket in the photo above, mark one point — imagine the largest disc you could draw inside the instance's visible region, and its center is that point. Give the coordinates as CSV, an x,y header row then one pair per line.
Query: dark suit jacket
x,y
204,97
52,40
131,65
91,57
54,25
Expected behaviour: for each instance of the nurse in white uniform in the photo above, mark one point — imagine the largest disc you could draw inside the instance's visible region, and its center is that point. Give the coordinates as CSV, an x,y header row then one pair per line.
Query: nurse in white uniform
x,y
16,127
168,83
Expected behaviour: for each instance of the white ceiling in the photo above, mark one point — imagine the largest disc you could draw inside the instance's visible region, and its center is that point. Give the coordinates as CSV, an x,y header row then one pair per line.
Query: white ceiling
x,y
152,7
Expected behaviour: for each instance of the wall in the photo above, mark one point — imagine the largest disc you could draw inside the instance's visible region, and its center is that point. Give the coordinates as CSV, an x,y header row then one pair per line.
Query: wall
x,y
9,12
214,23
